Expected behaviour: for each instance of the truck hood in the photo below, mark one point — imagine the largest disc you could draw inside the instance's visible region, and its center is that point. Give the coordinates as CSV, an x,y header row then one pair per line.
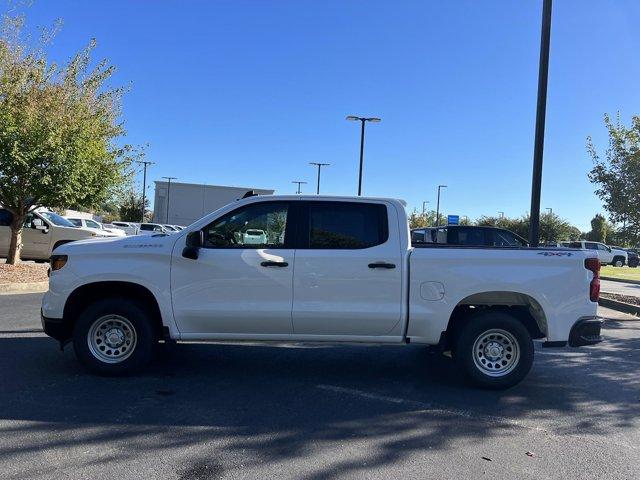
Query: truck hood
x,y
130,244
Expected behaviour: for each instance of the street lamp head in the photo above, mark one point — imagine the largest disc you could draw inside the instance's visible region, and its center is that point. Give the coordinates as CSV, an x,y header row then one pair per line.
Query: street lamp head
x,y
373,119
442,186
353,118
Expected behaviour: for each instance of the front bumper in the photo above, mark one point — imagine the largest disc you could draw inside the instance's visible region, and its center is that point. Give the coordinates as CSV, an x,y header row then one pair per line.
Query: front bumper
x,y
585,331
55,328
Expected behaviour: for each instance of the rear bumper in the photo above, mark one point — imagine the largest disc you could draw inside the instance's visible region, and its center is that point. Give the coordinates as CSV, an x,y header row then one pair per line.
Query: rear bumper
x,y
55,328
585,331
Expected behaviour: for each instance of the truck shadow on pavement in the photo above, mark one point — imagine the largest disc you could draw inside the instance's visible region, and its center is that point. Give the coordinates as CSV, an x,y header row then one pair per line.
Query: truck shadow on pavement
x,y
268,404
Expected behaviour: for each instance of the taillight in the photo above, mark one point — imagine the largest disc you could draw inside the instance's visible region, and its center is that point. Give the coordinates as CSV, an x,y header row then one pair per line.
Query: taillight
x,y
593,265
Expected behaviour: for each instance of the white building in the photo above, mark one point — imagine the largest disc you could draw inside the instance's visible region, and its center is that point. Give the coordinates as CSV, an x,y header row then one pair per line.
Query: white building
x,y
190,201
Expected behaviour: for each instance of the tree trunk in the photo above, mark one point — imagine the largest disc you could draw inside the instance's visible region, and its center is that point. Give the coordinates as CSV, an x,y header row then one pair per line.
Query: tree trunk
x,y
16,240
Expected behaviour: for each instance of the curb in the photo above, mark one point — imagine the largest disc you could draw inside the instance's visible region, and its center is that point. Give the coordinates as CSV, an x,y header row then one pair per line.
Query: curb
x,y
33,287
621,280
619,306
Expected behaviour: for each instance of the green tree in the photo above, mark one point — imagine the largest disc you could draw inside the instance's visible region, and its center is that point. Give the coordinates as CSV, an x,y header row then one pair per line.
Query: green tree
x,y
617,174
418,220
59,130
599,229
130,207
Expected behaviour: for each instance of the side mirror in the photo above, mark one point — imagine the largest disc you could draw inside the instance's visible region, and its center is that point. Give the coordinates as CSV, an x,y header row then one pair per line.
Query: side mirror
x,y
38,224
195,240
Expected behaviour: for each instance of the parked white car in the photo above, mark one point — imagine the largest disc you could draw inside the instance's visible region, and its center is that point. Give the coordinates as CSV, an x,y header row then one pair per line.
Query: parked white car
x,y
151,229
606,254
97,227
43,232
129,228
332,269
170,228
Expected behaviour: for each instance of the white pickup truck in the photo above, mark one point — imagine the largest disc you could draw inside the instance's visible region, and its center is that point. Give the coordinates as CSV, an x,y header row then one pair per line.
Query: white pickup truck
x,y
43,232
330,269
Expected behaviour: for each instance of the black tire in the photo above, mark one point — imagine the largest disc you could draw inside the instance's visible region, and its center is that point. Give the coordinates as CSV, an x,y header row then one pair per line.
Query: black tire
x,y
129,320
618,262
510,368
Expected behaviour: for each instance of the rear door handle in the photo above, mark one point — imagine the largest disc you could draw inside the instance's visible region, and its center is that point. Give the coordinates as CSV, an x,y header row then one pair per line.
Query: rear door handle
x,y
382,265
271,263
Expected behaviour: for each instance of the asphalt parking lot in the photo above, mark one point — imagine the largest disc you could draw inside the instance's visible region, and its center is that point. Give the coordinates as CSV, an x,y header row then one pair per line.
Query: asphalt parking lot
x,y
313,412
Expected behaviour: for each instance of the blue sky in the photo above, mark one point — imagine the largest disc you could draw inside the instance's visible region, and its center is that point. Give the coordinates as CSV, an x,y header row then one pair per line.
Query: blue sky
x,y
248,92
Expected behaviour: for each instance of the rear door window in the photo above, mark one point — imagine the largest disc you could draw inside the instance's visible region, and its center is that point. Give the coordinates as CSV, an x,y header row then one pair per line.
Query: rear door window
x,y
347,225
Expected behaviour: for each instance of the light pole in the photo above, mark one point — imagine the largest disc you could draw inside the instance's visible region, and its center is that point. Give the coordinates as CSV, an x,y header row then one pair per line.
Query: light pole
x,y
362,120
169,194
541,110
438,206
319,165
501,214
550,210
145,164
299,183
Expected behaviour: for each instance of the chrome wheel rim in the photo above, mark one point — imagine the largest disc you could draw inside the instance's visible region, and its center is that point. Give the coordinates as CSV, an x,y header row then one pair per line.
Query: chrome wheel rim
x,y
496,352
112,339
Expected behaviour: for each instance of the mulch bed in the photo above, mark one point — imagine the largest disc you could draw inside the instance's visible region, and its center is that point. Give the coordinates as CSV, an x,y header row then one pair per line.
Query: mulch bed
x,y
23,273
622,298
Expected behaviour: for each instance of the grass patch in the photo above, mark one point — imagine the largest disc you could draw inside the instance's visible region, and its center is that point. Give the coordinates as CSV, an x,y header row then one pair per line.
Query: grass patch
x,y
620,272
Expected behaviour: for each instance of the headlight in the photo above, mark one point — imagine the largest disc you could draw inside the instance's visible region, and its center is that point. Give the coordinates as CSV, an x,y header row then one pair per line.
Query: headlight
x,y
57,262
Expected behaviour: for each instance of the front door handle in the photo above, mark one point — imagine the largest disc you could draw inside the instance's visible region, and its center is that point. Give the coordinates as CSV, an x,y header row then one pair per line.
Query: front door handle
x,y
382,265
271,263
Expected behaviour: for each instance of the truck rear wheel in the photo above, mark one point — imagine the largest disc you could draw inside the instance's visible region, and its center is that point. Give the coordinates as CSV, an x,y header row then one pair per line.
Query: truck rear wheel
x,y
113,336
618,262
494,349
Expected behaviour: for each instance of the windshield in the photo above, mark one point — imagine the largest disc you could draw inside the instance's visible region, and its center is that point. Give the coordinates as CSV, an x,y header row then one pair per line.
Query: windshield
x,y
56,219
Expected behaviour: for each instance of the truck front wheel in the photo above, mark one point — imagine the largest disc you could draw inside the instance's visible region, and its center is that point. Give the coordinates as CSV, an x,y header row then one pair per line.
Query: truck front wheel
x,y
113,336
494,349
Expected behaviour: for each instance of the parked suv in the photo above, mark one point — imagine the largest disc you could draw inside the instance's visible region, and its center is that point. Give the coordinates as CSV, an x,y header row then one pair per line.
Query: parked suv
x,y
43,232
468,235
606,254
